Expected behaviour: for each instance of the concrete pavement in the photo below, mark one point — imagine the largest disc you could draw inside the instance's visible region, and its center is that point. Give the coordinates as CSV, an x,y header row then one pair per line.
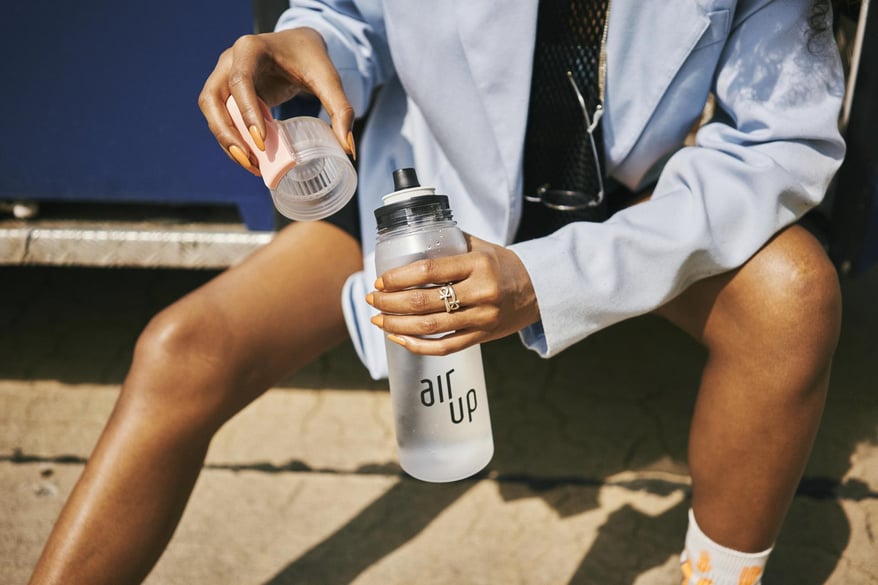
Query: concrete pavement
x,y
588,484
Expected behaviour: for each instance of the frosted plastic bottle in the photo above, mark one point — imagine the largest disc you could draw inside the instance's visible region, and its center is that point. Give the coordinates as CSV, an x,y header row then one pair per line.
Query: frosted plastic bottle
x,y
440,405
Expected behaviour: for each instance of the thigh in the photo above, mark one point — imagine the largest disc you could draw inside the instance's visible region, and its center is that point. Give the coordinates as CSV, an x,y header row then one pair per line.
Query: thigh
x,y
269,315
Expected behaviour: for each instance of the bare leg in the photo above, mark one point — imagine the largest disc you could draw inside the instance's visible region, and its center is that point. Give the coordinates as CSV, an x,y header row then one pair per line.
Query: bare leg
x,y
197,363
770,328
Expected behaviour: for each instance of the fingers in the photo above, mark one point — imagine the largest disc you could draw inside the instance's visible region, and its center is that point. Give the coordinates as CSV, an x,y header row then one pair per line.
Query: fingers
x,y
445,345
301,55
430,271
418,318
411,289
325,83
423,312
418,301
212,102
480,317
272,68
492,285
247,55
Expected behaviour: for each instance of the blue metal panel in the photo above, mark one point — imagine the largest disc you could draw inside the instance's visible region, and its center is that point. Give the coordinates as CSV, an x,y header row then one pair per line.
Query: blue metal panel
x,y
99,104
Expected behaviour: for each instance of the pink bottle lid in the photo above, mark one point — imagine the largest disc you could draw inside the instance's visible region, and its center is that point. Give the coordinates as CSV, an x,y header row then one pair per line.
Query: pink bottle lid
x,y
277,158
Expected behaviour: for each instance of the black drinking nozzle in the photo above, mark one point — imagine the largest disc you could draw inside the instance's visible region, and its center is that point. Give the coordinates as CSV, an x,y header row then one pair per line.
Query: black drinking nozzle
x,y
405,179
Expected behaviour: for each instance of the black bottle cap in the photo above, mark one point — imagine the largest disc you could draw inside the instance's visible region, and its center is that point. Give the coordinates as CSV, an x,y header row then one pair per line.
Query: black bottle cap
x,y
405,179
420,208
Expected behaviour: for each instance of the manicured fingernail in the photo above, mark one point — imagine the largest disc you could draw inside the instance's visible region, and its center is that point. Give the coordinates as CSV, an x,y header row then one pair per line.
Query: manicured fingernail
x,y
378,320
379,284
240,157
257,137
370,298
396,339
351,145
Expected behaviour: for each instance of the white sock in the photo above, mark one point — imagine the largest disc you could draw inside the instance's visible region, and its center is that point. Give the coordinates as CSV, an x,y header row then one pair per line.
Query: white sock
x,y
705,562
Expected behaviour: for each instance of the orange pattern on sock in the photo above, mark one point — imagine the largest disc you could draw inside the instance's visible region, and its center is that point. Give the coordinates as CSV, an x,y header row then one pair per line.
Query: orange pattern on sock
x,y
703,564
750,575
687,572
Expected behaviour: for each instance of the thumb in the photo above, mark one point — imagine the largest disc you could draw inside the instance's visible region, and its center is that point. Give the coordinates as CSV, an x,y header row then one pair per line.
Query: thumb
x,y
327,87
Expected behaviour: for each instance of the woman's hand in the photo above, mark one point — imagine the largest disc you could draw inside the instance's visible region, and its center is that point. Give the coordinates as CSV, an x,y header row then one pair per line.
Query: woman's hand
x,y
274,67
495,293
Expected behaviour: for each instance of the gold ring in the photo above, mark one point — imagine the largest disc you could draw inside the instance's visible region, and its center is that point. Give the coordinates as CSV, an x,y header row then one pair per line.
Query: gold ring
x,y
446,293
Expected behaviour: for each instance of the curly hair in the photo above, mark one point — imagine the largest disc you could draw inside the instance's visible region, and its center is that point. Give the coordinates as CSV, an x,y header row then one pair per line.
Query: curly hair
x,y
823,11
818,19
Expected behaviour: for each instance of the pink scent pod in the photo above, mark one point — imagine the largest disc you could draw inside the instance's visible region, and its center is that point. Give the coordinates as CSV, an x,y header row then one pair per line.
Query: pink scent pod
x,y
309,175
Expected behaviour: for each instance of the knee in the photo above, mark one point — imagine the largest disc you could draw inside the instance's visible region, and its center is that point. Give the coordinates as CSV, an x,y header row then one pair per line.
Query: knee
x,y
789,298
800,288
182,364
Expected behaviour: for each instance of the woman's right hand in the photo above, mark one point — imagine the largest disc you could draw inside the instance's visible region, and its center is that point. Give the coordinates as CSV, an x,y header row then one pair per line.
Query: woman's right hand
x,y
272,67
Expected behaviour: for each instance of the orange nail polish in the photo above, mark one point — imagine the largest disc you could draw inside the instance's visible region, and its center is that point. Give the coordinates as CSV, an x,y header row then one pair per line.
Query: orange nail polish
x,y
379,284
257,137
396,339
370,298
239,156
351,145
378,320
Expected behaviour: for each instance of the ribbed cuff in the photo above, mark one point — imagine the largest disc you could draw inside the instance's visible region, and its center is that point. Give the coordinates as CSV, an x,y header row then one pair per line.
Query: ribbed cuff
x,y
705,559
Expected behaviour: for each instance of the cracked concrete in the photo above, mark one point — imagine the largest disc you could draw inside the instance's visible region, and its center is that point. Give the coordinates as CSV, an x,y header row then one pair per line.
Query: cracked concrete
x,y
588,484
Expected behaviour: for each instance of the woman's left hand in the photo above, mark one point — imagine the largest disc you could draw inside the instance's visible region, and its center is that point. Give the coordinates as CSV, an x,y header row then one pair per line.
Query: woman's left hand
x,y
494,289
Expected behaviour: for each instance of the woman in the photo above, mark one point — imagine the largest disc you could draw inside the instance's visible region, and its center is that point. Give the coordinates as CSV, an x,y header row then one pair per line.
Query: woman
x,y
714,249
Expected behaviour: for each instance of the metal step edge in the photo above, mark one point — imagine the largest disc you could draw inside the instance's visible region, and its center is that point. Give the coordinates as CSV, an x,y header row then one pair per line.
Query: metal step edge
x,y
111,247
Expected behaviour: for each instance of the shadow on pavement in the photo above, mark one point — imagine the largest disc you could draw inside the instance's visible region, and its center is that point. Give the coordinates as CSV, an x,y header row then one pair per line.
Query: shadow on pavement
x,y
354,547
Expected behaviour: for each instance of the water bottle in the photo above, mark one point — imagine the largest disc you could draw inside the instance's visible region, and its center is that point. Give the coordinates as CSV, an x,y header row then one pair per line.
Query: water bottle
x,y
440,405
